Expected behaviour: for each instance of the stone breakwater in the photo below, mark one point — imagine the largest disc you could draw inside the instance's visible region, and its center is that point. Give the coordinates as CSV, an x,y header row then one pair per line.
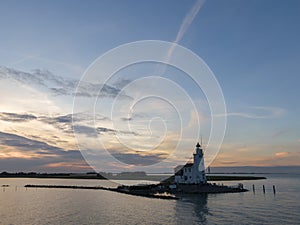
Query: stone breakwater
x,y
161,191
118,189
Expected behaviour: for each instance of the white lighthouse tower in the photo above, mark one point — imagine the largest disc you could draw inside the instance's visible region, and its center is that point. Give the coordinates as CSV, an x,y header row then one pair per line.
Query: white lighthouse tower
x,y
198,167
192,173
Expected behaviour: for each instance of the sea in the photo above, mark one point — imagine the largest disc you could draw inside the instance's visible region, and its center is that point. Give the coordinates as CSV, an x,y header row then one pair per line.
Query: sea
x,y
20,205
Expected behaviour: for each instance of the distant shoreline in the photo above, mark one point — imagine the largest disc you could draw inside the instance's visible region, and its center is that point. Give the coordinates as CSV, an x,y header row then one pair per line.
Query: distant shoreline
x,y
128,176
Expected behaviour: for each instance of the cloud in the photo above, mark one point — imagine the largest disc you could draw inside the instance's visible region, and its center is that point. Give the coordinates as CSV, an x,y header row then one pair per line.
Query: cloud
x,y
15,117
138,159
67,166
38,147
126,118
62,122
88,131
39,155
103,130
58,85
106,130
261,112
93,90
26,144
120,83
228,162
46,164
62,91
257,155
68,123
136,116
282,154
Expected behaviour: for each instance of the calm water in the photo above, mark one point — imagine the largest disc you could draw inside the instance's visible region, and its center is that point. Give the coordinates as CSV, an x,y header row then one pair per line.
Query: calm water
x,y
59,206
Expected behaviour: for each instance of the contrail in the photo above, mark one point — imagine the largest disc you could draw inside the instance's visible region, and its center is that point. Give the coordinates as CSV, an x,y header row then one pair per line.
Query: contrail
x,y
189,18
186,23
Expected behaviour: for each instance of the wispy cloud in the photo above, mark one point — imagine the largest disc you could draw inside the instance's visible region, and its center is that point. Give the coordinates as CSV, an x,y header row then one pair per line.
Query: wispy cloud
x,y
57,85
103,130
15,117
61,122
26,144
36,59
19,152
136,116
138,159
47,164
121,83
240,154
67,166
282,154
86,130
68,123
261,112
279,133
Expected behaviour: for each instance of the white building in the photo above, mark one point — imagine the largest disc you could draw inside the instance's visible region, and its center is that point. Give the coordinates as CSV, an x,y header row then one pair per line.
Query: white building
x,y
192,173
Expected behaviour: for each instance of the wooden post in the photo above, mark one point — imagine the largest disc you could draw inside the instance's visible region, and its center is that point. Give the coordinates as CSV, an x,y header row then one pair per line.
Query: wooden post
x,y
274,190
264,190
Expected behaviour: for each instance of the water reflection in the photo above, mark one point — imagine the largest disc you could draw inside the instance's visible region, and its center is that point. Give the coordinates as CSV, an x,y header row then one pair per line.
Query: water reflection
x,y
192,209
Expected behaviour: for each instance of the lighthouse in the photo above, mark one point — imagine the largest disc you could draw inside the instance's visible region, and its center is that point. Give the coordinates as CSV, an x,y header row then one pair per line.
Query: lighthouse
x,y
198,167
192,173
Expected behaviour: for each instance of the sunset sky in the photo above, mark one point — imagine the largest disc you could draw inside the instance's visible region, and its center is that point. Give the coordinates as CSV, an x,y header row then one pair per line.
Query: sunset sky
x,y
252,47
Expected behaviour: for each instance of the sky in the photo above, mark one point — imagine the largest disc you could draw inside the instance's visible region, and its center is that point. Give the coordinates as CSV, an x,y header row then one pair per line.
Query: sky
x,y
252,48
